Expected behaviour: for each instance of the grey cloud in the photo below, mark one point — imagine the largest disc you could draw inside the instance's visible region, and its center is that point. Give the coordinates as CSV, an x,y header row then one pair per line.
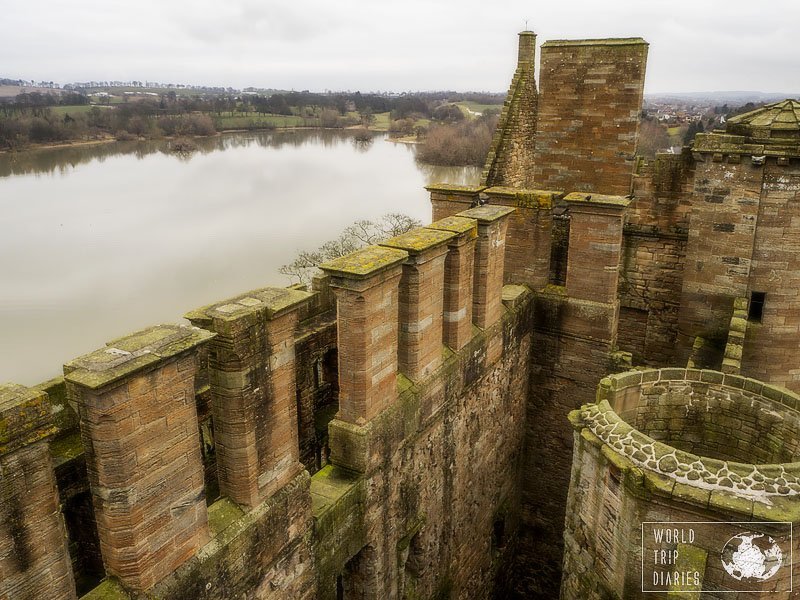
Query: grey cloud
x,y
369,45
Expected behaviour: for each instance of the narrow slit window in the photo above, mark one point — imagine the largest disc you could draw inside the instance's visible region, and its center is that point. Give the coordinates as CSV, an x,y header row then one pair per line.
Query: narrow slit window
x,y
559,249
756,311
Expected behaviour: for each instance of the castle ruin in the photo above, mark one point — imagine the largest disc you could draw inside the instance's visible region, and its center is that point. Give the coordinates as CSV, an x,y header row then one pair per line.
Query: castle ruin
x,y
488,406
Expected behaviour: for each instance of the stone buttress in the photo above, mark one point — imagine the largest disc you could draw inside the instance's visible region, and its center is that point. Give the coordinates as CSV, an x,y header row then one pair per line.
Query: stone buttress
x,y
136,404
252,377
34,561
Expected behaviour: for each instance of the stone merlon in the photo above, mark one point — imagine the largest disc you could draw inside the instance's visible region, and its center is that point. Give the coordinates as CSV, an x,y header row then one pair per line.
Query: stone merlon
x,y
132,353
273,302
24,417
364,263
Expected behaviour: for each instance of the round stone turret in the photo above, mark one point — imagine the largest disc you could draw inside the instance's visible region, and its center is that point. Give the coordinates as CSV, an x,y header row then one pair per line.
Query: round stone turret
x,y
684,481
774,122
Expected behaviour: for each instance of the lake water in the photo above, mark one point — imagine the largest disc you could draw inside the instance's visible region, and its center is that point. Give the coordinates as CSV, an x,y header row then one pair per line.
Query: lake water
x,y
99,241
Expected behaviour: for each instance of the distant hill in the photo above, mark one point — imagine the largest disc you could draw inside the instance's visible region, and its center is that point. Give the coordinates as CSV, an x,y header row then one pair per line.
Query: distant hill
x,y
729,97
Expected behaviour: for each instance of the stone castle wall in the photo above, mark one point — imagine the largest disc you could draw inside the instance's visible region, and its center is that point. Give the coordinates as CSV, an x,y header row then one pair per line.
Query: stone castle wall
x,y
415,492
589,106
770,349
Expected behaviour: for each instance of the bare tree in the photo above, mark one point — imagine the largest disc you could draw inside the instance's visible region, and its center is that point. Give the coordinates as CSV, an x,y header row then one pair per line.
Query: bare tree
x,y
359,234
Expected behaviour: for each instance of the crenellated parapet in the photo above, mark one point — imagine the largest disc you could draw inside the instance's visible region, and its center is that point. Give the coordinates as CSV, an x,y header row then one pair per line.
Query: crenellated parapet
x,y
487,299
458,279
421,300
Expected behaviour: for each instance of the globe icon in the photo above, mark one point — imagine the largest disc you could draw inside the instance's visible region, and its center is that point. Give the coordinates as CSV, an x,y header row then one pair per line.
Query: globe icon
x,y
751,557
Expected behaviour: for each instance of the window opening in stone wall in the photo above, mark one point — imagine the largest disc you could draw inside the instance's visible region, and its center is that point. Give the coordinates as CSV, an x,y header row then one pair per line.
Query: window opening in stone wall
x,y
319,376
84,542
330,371
358,576
755,312
559,247
326,404
499,533
410,566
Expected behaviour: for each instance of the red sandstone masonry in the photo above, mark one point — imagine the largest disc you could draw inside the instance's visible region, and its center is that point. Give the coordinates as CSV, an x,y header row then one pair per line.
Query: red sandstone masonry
x,y
595,245
366,287
459,267
590,99
252,376
447,200
487,300
34,561
511,154
421,300
136,403
720,249
528,241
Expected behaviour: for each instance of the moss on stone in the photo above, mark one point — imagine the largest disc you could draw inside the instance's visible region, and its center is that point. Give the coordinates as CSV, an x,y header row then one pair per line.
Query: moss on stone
x,y
597,199
457,225
336,496
221,514
131,353
25,417
66,448
691,494
658,484
272,301
488,213
420,239
728,503
109,589
526,198
365,263
690,559
780,509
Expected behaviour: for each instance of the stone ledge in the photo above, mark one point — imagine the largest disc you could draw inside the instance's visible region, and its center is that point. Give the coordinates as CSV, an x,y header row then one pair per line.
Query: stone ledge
x,y
722,485
514,295
580,198
447,187
487,213
132,353
597,42
526,198
458,225
271,300
365,263
25,417
419,240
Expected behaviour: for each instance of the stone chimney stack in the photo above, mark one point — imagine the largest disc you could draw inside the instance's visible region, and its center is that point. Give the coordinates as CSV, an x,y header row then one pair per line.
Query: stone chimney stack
x,y
527,49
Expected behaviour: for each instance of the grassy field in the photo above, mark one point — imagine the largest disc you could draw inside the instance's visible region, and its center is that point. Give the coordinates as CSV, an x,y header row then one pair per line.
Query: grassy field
x,y
74,110
381,122
476,108
254,120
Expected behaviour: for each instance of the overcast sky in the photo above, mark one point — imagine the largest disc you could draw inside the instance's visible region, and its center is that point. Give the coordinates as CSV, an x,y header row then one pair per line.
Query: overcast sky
x,y
696,45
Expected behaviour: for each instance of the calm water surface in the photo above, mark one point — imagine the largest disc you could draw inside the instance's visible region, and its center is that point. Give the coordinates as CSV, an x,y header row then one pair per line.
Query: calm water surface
x,y
98,241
